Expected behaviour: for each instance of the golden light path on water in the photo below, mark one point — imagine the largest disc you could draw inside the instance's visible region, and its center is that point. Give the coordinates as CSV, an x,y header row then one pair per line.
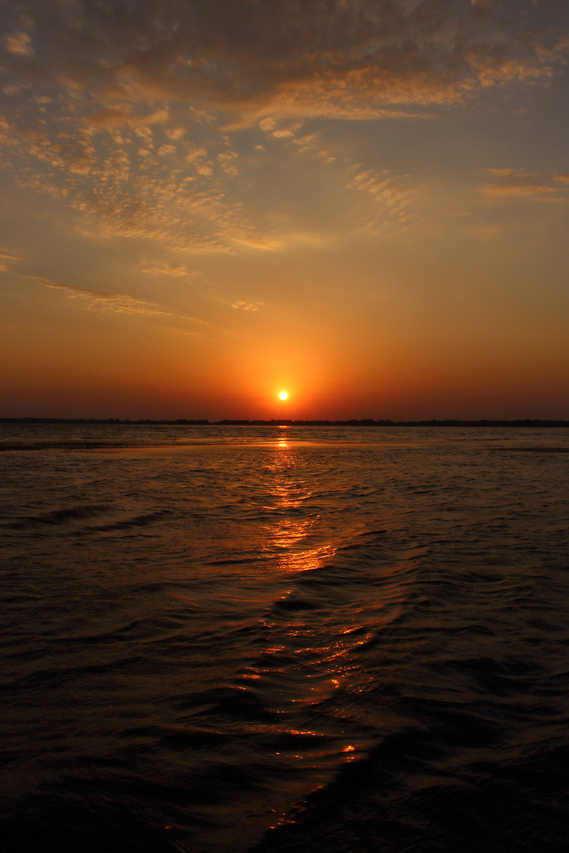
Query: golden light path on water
x,y
321,660
290,494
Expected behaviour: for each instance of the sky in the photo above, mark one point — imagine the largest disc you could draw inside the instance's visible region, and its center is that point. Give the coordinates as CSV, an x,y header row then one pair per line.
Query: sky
x,y
361,202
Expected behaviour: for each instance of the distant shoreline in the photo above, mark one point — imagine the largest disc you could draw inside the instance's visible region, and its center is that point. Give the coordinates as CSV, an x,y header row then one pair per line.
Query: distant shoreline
x,y
367,422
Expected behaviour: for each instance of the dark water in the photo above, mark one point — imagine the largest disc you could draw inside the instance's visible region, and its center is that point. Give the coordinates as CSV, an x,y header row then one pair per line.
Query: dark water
x,y
318,639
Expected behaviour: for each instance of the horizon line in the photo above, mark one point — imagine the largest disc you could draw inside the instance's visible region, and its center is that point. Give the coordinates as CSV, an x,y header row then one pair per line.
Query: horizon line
x,y
352,422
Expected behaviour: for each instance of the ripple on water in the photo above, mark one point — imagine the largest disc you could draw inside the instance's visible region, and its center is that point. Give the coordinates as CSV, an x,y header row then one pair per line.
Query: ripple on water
x,y
363,646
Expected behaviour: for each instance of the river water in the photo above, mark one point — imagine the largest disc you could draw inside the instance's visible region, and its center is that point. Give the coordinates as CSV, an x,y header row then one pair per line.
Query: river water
x,y
227,639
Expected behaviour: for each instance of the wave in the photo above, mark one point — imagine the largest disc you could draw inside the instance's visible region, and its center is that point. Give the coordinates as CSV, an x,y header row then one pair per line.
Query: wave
x,y
56,517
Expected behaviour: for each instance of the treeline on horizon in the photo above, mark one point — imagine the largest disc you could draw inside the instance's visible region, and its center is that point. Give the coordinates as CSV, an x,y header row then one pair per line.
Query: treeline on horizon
x,y
365,422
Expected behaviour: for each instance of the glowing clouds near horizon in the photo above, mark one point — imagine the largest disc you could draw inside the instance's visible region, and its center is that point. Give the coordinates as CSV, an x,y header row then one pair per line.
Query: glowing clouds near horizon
x,y
283,395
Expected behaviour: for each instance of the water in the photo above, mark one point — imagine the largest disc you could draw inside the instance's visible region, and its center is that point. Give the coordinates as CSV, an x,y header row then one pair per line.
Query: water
x,y
274,639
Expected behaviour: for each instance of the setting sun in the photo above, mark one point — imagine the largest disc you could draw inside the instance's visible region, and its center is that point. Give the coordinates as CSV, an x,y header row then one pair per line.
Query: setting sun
x,y
283,395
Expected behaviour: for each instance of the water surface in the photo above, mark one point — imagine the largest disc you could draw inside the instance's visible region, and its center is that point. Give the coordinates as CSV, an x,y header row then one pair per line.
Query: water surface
x,y
312,638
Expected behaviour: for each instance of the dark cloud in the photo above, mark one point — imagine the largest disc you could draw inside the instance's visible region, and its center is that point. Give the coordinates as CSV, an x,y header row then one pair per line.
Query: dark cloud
x,y
302,55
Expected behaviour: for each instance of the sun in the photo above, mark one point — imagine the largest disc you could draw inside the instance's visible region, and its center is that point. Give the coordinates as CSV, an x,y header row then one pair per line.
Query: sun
x,y
283,395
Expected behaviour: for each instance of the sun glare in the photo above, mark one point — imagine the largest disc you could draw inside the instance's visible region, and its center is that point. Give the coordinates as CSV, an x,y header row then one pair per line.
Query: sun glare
x,y
283,395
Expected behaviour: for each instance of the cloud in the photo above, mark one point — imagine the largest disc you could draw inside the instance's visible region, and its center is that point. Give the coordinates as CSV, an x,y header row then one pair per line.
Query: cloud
x,y
164,269
123,109
267,124
512,173
246,306
522,184
118,303
113,117
176,133
5,258
227,161
19,43
519,190
157,191
389,191
337,58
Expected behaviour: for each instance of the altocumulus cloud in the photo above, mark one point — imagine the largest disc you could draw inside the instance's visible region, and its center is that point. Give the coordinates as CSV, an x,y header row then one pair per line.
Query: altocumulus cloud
x,y
123,107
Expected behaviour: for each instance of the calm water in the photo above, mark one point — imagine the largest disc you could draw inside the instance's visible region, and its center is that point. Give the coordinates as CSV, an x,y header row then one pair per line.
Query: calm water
x,y
275,639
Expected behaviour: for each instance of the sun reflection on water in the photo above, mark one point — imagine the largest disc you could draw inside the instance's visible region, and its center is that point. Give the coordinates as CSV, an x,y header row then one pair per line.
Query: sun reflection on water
x,y
292,521
307,661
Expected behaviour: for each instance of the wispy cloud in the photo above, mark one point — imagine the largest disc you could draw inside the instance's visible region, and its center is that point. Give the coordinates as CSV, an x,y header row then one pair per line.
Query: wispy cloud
x,y
6,257
116,303
164,269
523,184
520,190
513,173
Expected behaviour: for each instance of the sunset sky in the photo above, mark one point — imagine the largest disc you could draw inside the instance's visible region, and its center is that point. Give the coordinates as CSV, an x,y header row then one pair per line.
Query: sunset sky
x,y
361,202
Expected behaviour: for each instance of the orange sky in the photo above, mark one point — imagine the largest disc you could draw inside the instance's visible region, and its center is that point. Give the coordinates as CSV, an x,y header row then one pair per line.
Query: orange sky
x,y
362,202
